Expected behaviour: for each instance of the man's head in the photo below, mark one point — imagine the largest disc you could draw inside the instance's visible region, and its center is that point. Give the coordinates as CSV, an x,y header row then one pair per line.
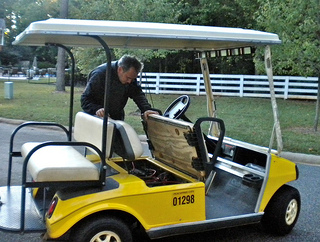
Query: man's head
x,y
128,69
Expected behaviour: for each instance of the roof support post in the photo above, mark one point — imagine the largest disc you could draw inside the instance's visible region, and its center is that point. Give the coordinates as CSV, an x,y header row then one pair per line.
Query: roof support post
x,y
106,102
276,128
211,104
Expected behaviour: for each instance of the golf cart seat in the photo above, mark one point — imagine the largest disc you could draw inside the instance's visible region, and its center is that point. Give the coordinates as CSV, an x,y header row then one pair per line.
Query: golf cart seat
x,y
56,163
126,142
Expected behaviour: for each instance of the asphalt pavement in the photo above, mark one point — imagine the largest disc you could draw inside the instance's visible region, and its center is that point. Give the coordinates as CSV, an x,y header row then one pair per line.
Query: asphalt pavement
x,y
306,229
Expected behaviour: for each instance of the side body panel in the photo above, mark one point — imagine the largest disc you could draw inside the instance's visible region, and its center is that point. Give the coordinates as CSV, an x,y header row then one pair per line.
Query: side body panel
x,y
281,171
153,207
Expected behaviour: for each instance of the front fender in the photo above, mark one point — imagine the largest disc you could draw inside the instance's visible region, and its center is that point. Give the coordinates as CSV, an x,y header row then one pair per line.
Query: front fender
x,y
281,171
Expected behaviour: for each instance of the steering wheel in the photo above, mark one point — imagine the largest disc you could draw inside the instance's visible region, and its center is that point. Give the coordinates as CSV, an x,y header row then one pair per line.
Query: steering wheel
x,y
178,107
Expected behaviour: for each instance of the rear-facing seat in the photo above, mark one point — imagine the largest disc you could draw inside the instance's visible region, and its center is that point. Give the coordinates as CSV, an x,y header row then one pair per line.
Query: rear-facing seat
x,y
65,163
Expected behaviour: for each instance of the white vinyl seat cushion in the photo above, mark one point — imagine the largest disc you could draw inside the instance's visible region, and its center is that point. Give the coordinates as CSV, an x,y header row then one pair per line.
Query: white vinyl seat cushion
x,y
58,163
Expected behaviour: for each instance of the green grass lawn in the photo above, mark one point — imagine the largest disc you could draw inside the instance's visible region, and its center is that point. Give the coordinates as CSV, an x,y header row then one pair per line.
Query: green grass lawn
x,y
246,119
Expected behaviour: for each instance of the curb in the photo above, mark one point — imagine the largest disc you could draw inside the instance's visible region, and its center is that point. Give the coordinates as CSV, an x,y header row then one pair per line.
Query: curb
x,y
11,121
313,160
19,121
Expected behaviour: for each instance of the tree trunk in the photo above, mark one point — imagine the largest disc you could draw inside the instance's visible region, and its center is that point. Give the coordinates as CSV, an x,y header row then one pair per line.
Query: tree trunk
x,y
60,84
316,120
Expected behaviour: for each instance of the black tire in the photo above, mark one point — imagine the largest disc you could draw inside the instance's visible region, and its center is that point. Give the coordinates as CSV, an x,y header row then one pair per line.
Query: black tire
x,y
282,212
102,229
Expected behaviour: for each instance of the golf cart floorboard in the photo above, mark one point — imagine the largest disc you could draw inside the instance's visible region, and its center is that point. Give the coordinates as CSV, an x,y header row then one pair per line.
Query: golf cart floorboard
x,y
228,196
10,210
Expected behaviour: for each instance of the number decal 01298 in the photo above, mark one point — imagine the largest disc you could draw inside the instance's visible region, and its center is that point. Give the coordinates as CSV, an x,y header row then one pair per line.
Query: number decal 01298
x,y
183,198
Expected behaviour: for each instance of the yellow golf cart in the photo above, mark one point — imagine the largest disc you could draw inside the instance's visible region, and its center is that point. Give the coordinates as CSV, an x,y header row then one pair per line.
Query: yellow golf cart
x,y
193,181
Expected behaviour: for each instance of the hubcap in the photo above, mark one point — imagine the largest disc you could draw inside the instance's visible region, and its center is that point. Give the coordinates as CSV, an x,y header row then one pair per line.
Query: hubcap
x,y
292,211
106,236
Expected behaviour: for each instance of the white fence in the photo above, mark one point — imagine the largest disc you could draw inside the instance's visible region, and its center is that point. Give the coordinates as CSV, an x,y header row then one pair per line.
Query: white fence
x,y
287,87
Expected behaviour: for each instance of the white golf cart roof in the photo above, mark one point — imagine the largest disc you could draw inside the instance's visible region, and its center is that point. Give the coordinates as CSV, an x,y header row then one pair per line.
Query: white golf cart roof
x,y
124,34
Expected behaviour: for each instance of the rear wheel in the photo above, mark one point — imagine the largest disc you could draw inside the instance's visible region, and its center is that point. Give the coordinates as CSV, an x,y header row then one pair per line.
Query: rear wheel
x,y
282,212
109,229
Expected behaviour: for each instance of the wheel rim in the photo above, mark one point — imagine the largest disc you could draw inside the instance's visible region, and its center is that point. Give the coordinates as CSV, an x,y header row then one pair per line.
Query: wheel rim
x,y
292,211
106,236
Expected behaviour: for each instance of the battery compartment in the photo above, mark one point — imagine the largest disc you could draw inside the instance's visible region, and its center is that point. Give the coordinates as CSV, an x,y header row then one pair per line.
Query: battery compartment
x,y
152,174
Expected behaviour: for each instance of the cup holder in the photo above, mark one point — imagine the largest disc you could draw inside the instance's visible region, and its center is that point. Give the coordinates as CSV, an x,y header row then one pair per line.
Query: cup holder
x,y
252,180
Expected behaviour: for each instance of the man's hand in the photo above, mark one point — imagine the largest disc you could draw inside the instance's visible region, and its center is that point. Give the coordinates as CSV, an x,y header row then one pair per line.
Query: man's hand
x,y
147,113
100,112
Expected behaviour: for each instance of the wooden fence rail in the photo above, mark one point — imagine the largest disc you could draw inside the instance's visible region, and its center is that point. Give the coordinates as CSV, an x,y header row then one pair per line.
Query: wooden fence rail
x,y
286,87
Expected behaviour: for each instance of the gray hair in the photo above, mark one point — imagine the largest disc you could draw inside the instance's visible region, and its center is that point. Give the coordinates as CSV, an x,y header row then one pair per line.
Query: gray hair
x,y
128,61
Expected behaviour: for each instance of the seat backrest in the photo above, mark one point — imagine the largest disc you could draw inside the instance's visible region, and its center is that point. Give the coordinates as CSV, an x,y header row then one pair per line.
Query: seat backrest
x,y
126,142
88,128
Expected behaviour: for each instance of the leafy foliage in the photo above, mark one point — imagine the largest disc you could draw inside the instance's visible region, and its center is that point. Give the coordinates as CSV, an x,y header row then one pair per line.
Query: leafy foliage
x,y
143,10
18,14
298,27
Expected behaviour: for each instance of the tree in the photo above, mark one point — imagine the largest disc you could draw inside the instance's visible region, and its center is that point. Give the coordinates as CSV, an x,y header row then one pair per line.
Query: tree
x,y
224,13
60,84
297,28
316,120
9,55
201,12
18,15
142,10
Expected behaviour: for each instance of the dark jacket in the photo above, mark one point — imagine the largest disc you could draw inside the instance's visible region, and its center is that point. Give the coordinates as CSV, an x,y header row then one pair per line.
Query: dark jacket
x,y
92,98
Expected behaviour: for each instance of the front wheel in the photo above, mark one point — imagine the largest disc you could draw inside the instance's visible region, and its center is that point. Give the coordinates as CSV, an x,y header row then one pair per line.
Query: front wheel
x,y
282,212
109,229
